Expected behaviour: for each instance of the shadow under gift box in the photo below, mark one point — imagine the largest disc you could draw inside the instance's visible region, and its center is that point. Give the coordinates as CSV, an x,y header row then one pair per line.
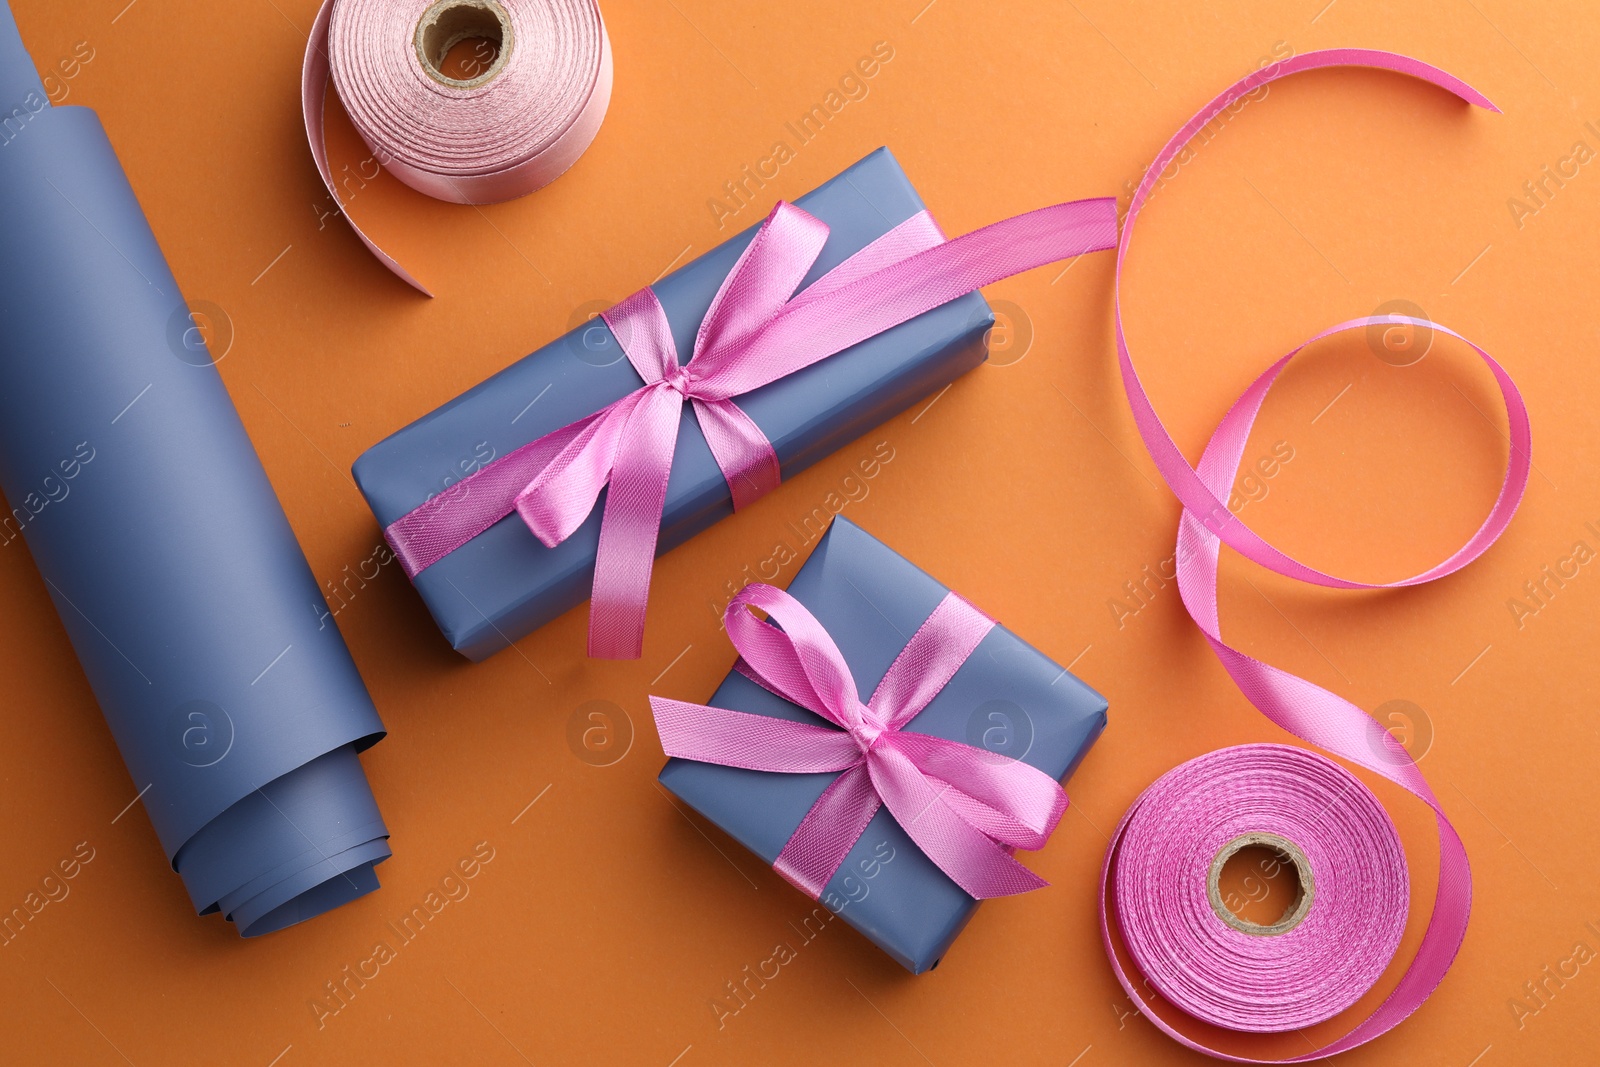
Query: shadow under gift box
x,y
1008,698
504,583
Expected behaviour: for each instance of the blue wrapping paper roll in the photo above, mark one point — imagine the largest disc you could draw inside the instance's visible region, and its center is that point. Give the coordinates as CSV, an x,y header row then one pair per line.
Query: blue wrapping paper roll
x,y
197,620
503,584
1008,697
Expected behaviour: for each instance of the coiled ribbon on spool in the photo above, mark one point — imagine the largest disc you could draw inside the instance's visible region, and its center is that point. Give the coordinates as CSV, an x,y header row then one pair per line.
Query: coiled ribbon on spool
x,y
513,127
1319,959
1306,710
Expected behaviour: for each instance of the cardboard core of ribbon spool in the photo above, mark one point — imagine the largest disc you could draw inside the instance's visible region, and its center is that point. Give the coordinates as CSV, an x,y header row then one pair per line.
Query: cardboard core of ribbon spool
x,y
447,23
1305,891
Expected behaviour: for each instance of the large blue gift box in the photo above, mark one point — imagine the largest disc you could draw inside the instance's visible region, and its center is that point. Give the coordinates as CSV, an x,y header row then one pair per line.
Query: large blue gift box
x,y
505,583
1008,698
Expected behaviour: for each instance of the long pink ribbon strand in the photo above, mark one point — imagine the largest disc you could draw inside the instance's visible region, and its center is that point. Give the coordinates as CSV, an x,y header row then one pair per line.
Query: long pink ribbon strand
x,y
966,808
756,331
1304,709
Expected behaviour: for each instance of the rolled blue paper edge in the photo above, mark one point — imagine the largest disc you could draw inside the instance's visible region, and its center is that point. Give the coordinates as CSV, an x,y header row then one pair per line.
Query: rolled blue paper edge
x,y
504,584
199,625
871,600
20,84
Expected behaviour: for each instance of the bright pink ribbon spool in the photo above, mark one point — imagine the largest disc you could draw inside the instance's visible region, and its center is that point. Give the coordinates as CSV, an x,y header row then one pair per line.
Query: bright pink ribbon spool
x,y
1359,889
1308,711
515,126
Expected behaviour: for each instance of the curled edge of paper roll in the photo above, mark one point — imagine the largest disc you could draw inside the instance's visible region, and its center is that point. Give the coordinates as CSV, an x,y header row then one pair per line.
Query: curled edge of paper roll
x,y
173,568
570,140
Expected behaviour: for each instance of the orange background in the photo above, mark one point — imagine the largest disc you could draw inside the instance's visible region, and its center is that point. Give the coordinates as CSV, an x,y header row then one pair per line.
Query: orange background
x,y
609,917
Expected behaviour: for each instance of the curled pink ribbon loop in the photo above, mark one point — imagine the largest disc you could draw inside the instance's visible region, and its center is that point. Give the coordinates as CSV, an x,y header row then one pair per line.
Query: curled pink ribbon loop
x,y
965,807
1304,709
756,331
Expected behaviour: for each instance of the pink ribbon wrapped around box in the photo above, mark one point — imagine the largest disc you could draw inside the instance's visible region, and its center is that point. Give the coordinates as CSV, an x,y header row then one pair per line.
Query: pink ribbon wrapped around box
x,y
885,746
692,397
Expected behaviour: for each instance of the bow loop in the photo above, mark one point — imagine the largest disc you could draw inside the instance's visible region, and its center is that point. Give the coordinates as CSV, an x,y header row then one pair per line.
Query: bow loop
x,y
762,281
561,494
641,328
800,662
755,742
964,807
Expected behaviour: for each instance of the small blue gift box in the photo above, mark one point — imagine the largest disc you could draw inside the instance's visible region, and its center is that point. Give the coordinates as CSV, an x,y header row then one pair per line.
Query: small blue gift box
x,y
504,583
1008,698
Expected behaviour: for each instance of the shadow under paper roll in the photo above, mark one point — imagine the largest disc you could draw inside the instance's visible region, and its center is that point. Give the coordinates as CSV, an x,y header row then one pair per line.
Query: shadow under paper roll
x,y
197,620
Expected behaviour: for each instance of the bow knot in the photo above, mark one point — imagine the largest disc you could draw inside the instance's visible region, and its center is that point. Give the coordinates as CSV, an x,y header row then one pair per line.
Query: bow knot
x,y
965,807
678,378
868,729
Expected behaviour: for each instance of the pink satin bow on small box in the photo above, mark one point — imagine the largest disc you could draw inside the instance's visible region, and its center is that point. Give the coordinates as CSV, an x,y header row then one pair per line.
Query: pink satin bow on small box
x,y
966,807
757,331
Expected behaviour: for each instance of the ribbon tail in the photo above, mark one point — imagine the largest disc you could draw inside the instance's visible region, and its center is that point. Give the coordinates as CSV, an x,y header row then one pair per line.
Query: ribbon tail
x,y
754,742
632,525
313,98
740,448
1010,801
819,845
808,331
968,856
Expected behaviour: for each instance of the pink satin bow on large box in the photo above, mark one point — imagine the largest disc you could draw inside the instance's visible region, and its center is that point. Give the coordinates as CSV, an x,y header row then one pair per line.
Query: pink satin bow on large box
x,y
966,807
757,331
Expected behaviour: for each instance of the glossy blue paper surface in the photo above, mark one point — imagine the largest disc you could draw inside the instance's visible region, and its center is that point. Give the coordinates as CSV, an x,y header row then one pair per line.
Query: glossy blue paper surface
x,y
1008,698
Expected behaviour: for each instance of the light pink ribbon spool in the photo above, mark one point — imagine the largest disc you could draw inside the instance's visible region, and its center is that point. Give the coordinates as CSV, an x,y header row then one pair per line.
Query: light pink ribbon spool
x,y
514,126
